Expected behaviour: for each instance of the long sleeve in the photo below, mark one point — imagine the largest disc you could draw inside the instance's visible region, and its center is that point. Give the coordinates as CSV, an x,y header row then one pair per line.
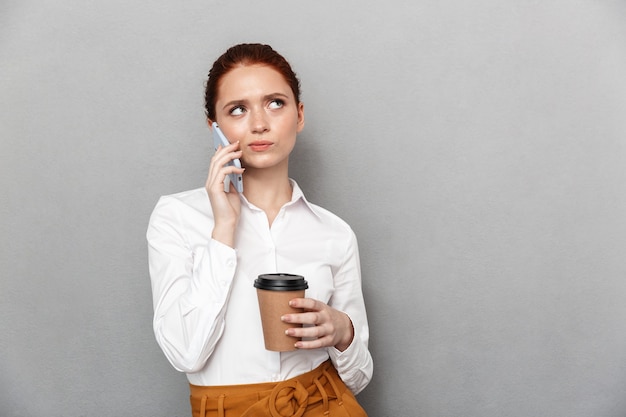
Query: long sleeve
x,y
355,365
190,284
206,314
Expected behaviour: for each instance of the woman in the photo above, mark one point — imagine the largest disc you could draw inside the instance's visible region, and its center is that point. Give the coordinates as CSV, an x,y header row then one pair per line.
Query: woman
x,y
207,246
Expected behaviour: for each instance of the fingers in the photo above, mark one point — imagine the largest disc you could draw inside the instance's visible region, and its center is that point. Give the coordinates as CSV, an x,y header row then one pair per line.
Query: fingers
x,y
318,343
224,154
309,304
323,325
225,203
219,169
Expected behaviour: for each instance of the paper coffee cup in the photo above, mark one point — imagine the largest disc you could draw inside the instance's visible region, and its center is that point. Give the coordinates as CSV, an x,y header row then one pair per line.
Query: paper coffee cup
x,y
274,292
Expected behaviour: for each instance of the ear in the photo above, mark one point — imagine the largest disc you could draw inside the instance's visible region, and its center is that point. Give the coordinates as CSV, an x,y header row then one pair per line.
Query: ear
x,y
300,117
210,123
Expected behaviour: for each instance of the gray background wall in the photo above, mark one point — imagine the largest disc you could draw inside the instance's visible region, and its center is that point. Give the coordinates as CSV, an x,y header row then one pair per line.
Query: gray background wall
x,y
477,148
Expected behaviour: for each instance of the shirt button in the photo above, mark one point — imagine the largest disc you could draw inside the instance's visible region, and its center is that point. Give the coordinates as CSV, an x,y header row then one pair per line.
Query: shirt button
x,y
230,262
274,378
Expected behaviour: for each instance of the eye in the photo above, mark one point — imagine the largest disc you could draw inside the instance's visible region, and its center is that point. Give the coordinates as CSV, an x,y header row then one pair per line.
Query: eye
x,y
236,111
276,104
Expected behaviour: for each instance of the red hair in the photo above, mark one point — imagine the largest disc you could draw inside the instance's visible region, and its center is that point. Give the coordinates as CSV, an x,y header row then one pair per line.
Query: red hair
x,y
242,55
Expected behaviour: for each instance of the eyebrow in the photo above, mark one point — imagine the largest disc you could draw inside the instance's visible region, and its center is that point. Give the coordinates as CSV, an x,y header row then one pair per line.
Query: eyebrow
x,y
264,98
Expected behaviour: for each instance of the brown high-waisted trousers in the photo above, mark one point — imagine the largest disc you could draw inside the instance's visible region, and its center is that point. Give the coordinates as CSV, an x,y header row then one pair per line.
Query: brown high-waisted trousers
x,y
320,392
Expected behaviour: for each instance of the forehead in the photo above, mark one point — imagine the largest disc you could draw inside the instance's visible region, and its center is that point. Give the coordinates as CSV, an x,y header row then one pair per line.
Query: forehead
x,y
250,81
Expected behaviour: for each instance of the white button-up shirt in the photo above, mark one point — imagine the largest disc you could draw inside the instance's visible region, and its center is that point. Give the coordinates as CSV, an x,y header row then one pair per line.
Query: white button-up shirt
x,y
206,315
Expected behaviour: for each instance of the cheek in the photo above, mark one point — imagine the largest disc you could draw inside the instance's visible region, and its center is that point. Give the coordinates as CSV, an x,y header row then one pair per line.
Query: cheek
x,y
289,124
233,132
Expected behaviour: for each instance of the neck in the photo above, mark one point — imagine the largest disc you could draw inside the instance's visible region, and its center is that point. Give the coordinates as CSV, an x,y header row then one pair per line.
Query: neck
x,y
268,191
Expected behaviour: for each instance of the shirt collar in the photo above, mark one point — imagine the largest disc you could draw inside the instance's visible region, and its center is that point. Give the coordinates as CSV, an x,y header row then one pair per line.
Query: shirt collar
x,y
296,195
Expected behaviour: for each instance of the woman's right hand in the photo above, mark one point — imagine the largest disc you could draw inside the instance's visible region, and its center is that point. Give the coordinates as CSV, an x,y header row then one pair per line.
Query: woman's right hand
x,y
226,205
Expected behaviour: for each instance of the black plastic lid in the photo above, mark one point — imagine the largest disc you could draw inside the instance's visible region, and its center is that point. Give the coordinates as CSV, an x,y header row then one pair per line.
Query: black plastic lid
x,y
281,282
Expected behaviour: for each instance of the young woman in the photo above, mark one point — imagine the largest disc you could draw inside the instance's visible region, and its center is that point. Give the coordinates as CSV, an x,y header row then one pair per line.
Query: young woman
x,y
207,246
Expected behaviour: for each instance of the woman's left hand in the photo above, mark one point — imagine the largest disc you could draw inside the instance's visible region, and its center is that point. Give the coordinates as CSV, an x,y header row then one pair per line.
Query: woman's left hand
x,y
330,327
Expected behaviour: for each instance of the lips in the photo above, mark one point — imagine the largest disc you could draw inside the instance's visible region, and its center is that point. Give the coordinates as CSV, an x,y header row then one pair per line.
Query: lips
x,y
260,145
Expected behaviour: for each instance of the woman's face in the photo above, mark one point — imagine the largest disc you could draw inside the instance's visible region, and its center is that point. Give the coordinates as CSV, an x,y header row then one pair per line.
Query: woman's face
x,y
256,107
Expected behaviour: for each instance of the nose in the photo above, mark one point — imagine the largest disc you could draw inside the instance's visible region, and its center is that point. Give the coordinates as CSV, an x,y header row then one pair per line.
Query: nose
x,y
258,122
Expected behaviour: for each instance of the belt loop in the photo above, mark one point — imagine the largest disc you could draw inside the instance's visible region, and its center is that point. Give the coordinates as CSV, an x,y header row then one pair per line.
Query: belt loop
x,y
220,405
332,384
322,391
203,406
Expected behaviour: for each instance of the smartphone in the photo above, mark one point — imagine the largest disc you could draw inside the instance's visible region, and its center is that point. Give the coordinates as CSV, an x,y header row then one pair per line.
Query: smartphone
x,y
235,179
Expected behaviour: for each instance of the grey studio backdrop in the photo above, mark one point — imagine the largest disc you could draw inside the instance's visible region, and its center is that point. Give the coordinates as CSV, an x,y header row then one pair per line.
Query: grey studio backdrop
x,y
478,150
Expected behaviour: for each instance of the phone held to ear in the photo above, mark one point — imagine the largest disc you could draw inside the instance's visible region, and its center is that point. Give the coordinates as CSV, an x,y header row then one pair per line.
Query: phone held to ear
x,y
235,179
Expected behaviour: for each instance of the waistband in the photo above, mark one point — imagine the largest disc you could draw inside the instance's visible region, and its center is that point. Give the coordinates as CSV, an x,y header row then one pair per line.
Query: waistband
x,y
287,398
